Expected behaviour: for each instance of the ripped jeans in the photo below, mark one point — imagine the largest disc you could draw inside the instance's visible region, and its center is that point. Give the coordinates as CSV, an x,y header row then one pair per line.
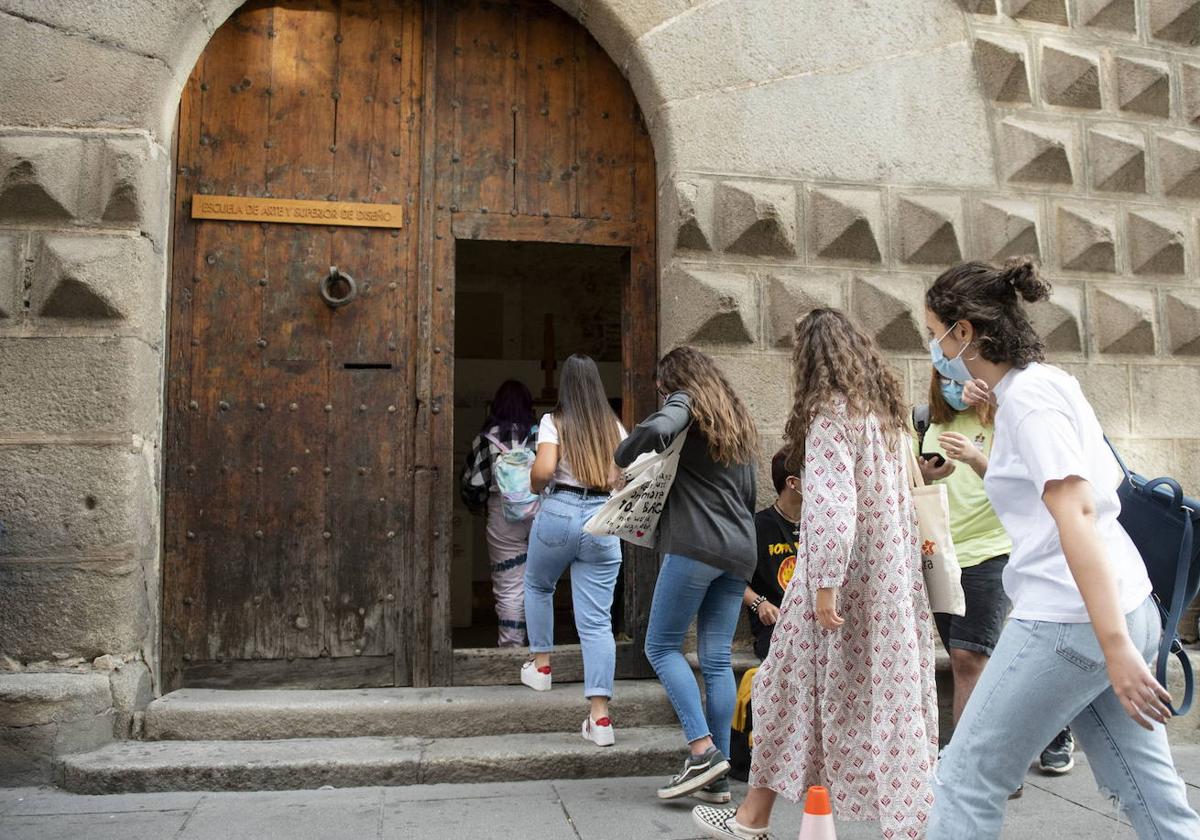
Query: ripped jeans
x,y
1042,676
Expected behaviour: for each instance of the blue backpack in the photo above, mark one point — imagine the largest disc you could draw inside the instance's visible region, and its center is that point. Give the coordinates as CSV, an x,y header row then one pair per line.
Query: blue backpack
x,y
1161,521
510,469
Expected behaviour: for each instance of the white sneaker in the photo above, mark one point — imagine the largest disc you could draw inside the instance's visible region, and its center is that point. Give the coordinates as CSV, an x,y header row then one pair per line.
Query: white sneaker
x,y
536,678
599,732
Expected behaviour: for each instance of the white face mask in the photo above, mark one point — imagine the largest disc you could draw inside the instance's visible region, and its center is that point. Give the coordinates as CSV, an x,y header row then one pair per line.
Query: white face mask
x,y
954,369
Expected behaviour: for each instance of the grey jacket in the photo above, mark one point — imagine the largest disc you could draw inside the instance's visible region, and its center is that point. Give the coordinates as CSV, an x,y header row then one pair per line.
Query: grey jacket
x,y
709,513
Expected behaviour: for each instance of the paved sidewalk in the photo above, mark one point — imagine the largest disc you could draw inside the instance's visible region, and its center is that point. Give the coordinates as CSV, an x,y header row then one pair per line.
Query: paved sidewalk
x,y
598,809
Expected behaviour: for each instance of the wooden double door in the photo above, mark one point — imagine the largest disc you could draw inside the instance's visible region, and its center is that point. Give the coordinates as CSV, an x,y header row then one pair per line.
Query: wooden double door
x,y
309,472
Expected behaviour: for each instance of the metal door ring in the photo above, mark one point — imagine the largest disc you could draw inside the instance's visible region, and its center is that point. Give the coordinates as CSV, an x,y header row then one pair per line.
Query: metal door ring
x,y
331,281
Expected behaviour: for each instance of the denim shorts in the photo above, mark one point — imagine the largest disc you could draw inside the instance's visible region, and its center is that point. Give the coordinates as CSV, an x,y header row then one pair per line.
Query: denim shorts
x,y
987,607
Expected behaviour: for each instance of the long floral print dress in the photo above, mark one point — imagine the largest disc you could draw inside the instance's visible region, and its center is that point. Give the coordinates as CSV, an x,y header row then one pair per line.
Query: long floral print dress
x,y
854,709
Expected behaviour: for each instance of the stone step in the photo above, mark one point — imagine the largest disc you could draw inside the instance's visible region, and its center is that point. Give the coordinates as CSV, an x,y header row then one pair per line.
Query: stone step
x,y
195,714
154,766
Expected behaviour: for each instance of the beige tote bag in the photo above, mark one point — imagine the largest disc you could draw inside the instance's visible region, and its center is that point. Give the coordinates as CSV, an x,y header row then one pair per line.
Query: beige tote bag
x,y
943,576
632,512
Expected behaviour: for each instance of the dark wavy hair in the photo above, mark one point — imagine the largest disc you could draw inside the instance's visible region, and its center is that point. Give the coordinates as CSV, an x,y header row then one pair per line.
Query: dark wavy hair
x,y
990,299
511,410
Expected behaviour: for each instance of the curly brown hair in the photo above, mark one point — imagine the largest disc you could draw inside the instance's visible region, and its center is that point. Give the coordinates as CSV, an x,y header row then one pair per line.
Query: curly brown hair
x,y
717,410
835,359
989,298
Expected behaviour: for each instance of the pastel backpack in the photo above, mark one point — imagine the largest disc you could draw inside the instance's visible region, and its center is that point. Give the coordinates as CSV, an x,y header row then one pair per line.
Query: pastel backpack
x,y
510,469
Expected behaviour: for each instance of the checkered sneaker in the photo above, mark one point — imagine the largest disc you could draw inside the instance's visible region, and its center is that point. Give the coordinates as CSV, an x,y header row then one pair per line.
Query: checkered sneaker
x,y
720,823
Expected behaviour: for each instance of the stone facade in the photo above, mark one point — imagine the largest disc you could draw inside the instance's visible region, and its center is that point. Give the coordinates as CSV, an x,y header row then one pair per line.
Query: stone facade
x,y
805,157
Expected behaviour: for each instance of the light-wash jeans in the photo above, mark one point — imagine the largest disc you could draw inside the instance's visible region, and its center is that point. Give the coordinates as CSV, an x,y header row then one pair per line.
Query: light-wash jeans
x,y
558,542
1042,676
687,589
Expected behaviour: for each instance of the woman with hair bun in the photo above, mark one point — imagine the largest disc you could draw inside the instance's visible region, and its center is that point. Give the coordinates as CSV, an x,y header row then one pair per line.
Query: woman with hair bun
x,y
1083,625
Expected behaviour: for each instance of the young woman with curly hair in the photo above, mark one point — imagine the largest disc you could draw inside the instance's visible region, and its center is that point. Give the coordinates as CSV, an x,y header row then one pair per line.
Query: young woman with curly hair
x,y
1083,624
846,695
706,534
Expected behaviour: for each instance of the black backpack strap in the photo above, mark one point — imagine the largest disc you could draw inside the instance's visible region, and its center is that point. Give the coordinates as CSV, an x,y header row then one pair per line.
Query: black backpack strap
x,y
1170,640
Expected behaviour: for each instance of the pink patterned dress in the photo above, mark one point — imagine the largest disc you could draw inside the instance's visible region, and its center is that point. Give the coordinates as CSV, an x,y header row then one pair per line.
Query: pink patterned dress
x,y
853,709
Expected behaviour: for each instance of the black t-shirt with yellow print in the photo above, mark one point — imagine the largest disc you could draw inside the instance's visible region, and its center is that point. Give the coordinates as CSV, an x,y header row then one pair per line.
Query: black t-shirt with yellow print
x,y
776,563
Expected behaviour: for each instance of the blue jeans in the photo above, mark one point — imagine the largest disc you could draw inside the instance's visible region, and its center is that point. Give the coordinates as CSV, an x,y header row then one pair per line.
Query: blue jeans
x,y
1042,676
687,588
556,543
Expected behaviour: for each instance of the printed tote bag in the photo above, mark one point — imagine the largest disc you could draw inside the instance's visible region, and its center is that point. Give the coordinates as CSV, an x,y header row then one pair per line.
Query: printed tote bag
x,y
632,512
939,560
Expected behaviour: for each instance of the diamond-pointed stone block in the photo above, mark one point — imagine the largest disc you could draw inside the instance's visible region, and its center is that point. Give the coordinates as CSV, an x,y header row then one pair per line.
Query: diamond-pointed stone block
x,y
1118,15
1037,152
1157,241
1006,228
1189,85
757,218
891,308
127,168
89,277
1002,65
847,225
978,7
1070,76
39,177
1043,11
1182,311
1179,164
710,307
929,229
1087,235
791,297
1124,320
1143,86
1177,21
1117,154
1059,320
691,212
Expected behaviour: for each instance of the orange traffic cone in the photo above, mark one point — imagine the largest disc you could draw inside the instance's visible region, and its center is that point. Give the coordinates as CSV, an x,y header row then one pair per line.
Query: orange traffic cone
x,y
818,816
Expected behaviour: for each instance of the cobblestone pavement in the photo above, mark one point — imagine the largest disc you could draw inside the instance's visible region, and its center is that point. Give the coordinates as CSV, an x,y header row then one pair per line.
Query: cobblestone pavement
x,y
596,809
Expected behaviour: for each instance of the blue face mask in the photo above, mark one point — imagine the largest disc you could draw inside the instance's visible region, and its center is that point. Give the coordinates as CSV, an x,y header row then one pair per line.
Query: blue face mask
x,y
952,393
956,368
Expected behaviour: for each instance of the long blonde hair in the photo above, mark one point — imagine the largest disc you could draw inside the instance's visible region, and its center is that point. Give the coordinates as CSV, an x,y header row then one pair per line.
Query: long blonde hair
x,y
588,431
833,359
716,410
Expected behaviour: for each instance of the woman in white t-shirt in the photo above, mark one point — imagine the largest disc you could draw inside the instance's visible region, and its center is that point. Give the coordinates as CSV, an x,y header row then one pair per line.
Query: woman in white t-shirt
x,y
1083,624
575,447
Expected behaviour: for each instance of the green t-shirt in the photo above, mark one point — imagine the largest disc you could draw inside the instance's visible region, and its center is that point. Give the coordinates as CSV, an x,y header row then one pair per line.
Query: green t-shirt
x,y
974,526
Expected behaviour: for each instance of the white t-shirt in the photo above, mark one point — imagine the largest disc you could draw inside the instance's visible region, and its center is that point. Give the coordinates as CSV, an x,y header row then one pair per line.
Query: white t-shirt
x,y
1045,431
548,433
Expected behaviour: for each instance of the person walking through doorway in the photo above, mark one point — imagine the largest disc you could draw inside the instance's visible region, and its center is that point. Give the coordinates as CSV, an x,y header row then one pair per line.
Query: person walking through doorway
x,y
575,445
1083,624
846,696
706,537
509,427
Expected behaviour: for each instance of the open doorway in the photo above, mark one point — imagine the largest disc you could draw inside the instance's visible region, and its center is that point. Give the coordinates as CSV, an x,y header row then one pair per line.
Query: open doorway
x,y
520,309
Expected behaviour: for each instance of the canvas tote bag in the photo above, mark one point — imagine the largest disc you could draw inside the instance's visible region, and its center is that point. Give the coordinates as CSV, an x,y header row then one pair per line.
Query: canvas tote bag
x,y
632,512
939,560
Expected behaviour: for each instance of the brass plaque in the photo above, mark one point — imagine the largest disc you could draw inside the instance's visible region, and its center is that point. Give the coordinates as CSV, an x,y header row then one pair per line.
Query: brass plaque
x,y
241,208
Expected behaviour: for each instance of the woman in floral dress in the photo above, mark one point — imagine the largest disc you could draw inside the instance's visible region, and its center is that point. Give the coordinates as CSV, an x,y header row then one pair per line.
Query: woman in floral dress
x,y
846,697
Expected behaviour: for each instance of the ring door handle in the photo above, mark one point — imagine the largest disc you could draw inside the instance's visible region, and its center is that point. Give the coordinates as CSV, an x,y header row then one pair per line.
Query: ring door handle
x,y
330,287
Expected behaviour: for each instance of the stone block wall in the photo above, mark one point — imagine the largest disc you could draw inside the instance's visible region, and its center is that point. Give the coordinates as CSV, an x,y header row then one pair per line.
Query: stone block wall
x,y
1090,116
82,286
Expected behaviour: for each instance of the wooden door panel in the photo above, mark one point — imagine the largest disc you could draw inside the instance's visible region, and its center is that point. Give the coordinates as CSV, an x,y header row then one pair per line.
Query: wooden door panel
x,y
287,470
546,80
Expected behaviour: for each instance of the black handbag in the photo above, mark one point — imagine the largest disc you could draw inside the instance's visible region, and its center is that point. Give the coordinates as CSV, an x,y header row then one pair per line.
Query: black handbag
x,y
1161,522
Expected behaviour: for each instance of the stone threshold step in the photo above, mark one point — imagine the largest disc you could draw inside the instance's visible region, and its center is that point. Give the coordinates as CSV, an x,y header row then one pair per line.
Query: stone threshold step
x,y
194,714
156,766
